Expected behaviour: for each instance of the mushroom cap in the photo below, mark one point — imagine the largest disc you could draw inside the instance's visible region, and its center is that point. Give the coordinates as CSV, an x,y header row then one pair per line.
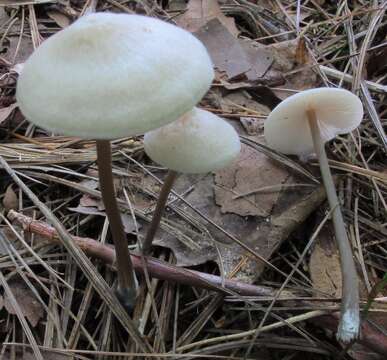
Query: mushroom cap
x,y
113,75
287,130
198,142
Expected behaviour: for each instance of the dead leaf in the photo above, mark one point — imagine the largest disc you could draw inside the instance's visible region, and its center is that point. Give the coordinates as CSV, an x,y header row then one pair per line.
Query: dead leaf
x,y
89,201
61,19
302,53
262,235
30,307
237,185
127,220
324,265
286,55
200,12
6,112
10,200
232,56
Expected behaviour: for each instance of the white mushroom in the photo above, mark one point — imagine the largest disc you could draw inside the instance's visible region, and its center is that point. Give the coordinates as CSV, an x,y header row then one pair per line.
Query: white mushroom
x,y
113,75
300,125
109,76
287,127
198,142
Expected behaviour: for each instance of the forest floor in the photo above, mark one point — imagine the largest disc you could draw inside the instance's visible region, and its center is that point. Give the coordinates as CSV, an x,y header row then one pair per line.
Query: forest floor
x,y
245,265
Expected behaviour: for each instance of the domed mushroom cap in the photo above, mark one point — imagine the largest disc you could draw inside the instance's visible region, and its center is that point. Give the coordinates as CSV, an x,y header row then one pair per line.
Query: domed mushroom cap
x,y
287,130
113,75
198,142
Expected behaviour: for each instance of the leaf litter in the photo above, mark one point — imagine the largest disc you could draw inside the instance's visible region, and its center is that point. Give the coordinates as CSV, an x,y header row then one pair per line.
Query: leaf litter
x,y
248,222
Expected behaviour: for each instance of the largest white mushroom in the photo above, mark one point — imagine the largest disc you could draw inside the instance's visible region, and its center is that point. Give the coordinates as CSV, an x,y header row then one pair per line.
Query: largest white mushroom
x,y
109,76
300,125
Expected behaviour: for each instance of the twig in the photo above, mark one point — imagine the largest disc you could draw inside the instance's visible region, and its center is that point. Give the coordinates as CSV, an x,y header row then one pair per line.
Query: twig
x,y
155,267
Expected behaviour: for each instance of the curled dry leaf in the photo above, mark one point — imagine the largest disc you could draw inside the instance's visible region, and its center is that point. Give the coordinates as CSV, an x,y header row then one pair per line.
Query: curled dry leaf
x,y
231,55
292,61
10,200
30,307
200,12
61,19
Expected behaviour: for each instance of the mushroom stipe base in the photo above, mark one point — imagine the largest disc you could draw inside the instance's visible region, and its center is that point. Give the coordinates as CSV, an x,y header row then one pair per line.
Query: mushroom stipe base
x,y
349,325
127,285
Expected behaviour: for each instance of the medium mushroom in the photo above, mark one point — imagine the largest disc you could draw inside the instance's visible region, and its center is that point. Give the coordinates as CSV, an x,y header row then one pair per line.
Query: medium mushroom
x,y
300,125
198,142
110,76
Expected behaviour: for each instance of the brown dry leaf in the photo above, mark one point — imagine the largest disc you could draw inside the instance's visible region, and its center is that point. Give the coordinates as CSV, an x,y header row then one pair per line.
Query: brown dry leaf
x,y
10,200
28,304
127,220
231,55
200,12
6,112
262,235
324,265
61,19
241,100
88,201
237,186
302,53
287,55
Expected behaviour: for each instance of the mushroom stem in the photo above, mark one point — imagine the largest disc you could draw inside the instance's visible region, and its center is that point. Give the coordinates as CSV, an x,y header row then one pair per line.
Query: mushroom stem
x,y
127,285
349,325
158,213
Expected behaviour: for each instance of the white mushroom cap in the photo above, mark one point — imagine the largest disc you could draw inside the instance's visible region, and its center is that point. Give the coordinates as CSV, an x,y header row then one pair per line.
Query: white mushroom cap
x,y
287,130
113,75
198,142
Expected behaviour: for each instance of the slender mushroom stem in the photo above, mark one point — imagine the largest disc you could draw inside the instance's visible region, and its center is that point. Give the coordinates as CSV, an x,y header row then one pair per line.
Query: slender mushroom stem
x,y
127,286
158,213
349,321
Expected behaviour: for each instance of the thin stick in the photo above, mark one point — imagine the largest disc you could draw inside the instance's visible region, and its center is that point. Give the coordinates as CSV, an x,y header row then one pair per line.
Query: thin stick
x,y
158,213
126,279
156,268
349,320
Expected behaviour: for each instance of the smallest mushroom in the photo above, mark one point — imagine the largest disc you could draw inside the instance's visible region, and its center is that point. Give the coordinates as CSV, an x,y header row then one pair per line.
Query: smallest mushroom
x,y
198,142
300,125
